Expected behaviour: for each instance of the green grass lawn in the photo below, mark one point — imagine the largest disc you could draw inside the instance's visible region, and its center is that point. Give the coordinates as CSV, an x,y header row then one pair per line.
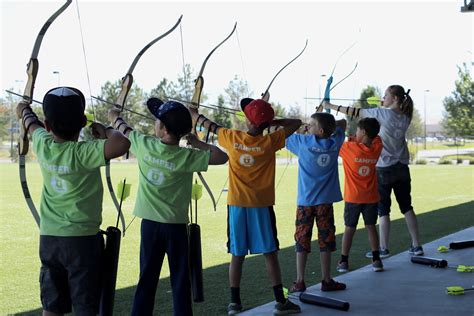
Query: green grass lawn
x,y
442,197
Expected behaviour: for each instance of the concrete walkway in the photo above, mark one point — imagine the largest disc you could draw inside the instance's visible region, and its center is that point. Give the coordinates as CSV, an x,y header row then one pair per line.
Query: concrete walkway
x,y
436,154
404,288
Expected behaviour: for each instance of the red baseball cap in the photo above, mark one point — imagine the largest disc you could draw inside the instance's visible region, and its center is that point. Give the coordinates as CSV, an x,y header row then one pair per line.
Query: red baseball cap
x,y
259,112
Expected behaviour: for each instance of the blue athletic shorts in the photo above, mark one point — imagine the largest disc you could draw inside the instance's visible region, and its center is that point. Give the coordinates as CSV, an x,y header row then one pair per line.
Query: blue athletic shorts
x,y
251,230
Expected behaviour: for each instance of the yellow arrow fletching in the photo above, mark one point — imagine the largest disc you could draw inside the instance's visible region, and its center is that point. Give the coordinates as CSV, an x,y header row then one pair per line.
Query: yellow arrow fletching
x,y
455,290
196,192
373,100
463,268
90,119
120,188
443,249
240,116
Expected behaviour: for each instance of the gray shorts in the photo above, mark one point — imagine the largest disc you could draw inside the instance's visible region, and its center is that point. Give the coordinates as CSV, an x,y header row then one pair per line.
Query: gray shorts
x,y
70,273
353,210
396,178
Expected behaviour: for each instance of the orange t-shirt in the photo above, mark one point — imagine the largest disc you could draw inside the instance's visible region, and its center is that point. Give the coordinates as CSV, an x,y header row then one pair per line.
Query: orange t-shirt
x,y
360,177
251,166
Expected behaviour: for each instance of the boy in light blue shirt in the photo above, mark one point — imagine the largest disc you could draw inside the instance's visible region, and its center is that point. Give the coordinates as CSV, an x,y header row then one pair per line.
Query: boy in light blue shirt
x,y
318,188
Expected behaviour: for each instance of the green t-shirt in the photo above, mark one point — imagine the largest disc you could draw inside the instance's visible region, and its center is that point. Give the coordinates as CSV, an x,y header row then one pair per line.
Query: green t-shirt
x,y
71,201
165,180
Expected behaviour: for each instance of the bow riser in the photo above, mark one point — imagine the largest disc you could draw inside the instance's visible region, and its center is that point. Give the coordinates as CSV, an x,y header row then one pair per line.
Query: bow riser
x,y
32,72
198,86
127,82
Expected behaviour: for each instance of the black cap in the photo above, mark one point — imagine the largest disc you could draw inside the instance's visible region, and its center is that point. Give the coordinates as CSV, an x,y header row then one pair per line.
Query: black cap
x,y
244,102
174,115
64,107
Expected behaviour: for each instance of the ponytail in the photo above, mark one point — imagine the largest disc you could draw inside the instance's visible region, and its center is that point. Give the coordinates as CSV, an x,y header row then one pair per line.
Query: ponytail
x,y
405,101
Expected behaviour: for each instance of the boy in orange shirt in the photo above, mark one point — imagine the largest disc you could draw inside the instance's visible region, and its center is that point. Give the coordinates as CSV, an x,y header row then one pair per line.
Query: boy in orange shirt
x,y
360,188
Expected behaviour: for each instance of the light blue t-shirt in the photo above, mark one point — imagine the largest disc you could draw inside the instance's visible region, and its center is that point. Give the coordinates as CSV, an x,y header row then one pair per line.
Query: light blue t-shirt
x,y
318,178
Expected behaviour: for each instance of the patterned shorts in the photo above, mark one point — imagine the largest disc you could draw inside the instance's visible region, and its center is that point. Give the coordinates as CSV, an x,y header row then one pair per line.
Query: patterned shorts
x,y
324,216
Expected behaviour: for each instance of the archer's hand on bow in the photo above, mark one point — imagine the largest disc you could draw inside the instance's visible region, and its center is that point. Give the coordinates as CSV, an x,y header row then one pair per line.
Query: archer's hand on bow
x,y
192,140
112,115
303,129
194,115
98,130
327,104
20,107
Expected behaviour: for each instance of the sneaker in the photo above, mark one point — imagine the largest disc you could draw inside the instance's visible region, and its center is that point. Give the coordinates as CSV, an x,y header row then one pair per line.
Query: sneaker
x,y
416,251
377,266
297,287
234,308
384,253
332,286
342,266
286,308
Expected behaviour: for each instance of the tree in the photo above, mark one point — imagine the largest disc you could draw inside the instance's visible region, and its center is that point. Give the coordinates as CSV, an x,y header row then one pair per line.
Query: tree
x,y
279,109
459,107
135,99
6,119
182,90
368,92
220,116
236,90
295,112
416,127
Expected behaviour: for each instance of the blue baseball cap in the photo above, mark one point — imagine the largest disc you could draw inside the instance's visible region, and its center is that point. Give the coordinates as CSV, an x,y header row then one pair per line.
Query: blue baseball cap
x,y
174,115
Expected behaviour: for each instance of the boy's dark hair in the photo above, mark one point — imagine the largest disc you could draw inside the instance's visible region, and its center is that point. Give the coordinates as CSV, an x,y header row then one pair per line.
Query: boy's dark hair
x,y
326,121
174,115
63,107
370,125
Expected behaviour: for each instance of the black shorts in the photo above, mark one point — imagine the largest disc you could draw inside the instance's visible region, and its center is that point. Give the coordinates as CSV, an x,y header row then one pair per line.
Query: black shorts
x,y
396,177
70,274
352,212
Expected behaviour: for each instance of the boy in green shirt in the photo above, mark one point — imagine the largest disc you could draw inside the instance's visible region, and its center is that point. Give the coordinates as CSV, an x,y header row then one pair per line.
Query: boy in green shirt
x,y
71,246
165,184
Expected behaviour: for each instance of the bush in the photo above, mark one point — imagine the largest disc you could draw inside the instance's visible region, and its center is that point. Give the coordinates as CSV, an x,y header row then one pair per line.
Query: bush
x,y
445,162
460,158
421,162
412,155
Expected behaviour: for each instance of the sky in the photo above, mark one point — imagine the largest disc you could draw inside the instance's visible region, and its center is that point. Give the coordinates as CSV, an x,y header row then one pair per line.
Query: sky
x,y
417,44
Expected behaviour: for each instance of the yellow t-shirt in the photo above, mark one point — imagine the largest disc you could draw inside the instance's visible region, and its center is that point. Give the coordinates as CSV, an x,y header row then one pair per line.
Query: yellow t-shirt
x,y
251,166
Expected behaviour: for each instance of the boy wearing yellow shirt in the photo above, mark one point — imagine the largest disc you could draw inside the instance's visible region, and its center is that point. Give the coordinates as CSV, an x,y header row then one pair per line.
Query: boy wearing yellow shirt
x,y
251,218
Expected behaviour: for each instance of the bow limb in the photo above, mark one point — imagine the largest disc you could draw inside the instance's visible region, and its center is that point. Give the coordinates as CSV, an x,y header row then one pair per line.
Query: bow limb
x,y
328,88
199,82
265,95
196,99
347,76
127,82
23,143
